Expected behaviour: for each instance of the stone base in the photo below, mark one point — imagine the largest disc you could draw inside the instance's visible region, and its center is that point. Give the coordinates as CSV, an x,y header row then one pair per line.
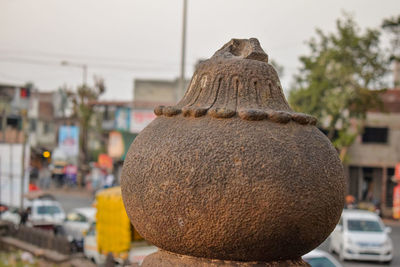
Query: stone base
x,y
168,259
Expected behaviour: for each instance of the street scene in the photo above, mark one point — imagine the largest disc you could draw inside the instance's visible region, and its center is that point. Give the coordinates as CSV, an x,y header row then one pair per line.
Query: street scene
x,y
193,133
394,235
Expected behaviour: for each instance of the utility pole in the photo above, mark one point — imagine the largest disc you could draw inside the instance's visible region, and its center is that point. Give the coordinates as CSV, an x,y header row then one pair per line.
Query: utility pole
x,y
24,101
3,130
181,87
11,173
24,114
81,157
1,175
84,78
4,124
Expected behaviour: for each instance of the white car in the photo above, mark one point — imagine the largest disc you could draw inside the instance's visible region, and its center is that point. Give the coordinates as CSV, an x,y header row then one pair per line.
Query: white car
x,y
78,221
46,211
361,235
11,215
318,258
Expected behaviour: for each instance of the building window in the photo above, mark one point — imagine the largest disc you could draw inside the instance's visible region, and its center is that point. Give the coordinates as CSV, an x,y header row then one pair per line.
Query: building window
x,y
32,125
375,135
48,128
14,122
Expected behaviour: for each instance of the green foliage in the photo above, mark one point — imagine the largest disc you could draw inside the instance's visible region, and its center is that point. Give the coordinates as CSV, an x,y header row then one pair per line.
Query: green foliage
x,y
392,27
82,98
337,82
13,259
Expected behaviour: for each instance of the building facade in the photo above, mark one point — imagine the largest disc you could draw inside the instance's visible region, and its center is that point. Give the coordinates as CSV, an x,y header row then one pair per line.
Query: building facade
x,y
374,154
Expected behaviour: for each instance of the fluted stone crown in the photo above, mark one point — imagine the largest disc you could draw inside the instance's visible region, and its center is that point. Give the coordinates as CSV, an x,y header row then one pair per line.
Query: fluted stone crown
x,y
236,81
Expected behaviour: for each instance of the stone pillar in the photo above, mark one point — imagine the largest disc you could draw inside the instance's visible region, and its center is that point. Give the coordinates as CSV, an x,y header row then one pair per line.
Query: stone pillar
x,y
231,176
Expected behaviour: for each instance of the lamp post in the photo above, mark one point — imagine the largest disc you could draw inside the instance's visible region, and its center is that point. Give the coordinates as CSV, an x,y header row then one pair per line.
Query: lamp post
x,y
83,66
181,86
81,136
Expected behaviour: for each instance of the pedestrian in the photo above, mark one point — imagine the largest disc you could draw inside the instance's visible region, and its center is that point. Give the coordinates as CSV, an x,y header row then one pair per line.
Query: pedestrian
x,y
44,177
110,262
96,177
109,182
103,177
24,216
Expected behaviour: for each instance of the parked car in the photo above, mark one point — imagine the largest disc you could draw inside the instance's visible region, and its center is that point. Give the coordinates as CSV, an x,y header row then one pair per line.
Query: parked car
x,y
361,235
3,208
320,258
46,211
77,224
90,249
11,215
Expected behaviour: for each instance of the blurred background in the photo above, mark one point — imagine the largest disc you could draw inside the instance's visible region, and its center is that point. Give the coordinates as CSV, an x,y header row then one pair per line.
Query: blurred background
x,y
79,80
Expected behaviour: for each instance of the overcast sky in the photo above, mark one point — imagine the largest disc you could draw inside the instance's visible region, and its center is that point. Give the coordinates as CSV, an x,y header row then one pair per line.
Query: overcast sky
x,y
123,40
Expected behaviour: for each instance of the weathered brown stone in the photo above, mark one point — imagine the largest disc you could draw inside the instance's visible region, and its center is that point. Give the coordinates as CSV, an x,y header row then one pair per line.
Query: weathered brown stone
x,y
168,259
231,172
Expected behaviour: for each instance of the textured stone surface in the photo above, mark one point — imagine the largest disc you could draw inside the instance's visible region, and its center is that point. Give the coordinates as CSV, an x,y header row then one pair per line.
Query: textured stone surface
x,y
167,259
231,172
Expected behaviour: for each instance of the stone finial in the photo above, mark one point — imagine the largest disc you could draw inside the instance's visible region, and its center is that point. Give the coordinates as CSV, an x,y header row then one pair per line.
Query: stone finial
x,y
243,49
231,176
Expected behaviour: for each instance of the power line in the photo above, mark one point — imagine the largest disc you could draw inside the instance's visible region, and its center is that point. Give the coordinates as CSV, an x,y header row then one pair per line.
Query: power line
x,y
24,60
36,53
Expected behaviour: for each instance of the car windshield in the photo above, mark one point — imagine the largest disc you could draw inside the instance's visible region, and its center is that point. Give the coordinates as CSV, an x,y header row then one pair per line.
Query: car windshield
x,y
48,210
319,262
364,226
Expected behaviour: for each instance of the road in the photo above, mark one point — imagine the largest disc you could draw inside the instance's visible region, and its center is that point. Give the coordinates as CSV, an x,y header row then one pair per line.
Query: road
x,y
69,203
71,199
395,235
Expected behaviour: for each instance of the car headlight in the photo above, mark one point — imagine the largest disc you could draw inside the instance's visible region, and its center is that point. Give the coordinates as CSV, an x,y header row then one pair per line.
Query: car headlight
x,y
387,242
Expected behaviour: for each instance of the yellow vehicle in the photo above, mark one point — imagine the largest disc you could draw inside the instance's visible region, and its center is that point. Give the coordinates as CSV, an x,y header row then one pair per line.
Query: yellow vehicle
x,y
113,232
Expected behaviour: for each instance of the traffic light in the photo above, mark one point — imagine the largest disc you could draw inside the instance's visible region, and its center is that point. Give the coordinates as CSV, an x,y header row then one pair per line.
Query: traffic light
x,y
25,93
46,154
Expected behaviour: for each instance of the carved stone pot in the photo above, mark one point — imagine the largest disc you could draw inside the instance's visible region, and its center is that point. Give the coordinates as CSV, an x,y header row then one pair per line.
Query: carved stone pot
x,y
231,173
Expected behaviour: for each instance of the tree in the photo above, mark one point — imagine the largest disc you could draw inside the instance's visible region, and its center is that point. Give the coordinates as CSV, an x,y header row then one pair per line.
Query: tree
x,y
83,111
338,81
392,27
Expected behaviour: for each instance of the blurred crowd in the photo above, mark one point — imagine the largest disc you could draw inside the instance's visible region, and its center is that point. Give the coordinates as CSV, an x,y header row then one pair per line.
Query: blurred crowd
x,y
60,175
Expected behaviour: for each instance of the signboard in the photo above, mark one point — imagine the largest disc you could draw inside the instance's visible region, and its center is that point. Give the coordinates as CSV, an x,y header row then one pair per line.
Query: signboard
x,y
68,140
115,145
140,119
105,162
397,171
122,118
396,202
119,143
